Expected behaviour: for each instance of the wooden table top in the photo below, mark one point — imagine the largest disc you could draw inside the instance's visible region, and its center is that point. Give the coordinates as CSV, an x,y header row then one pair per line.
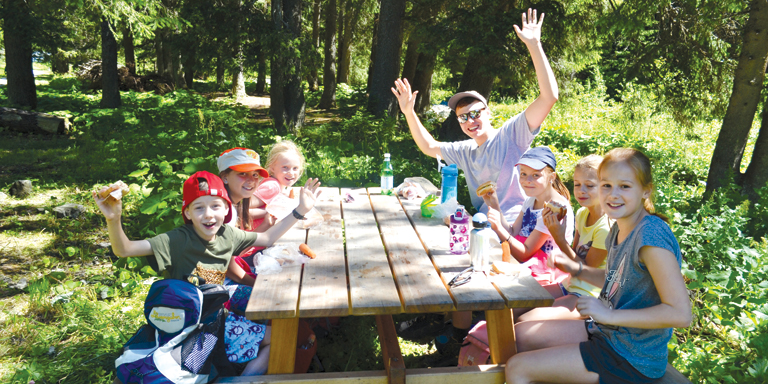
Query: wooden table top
x,y
378,256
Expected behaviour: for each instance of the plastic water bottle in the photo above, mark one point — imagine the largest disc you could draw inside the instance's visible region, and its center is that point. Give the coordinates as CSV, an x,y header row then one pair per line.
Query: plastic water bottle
x,y
480,243
448,185
387,176
459,236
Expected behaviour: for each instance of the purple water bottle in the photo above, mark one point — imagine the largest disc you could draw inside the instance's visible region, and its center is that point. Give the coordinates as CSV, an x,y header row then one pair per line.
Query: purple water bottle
x,y
459,239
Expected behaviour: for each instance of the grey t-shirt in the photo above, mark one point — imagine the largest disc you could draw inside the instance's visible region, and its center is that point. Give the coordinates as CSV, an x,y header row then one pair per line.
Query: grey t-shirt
x,y
495,160
179,251
629,285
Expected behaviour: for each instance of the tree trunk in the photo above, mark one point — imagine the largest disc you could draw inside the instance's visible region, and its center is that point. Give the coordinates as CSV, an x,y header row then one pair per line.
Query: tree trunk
x,y
756,175
261,81
163,55
347,24
747,86
386,66
411,58
59,63
341,69
328,99
312,77
189,66
18,54
238,77
129,50
110,84
422,80
220,70
286,95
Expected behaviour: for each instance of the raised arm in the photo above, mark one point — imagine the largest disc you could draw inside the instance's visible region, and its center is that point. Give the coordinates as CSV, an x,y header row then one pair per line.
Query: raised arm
x,y
112,210
307,198
421,136
530,35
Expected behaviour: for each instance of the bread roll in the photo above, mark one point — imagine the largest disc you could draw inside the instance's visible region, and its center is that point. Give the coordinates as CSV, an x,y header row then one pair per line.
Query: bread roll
x,y
557,208
486,188
116,190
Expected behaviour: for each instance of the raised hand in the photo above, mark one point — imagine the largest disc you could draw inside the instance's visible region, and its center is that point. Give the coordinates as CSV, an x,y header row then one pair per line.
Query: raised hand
x,y
531,31
491,199
556,228
111,208
308,195
405,98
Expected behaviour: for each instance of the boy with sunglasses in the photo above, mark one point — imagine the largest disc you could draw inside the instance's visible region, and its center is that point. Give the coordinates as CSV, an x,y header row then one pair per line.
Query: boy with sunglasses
x,y
490,154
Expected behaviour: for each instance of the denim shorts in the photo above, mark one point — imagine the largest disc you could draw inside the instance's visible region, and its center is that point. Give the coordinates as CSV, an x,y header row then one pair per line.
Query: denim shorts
x,y
599,357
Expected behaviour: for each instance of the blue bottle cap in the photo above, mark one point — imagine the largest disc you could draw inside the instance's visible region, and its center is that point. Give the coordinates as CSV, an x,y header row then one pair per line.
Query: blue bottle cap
x,y
450,170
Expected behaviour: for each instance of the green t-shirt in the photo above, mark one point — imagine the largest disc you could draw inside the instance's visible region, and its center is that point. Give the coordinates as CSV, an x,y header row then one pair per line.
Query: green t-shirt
x,y
178,252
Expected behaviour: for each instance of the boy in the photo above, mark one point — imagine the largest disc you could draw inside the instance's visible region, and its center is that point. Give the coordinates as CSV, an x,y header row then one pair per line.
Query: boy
x,y
490,154
203,247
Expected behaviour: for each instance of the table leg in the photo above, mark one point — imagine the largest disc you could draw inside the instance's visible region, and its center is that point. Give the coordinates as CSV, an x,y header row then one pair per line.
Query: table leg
x,y
390,349
501,335
282,351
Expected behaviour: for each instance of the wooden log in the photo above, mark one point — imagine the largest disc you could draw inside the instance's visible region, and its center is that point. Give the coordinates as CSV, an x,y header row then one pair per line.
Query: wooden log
x,y
19,120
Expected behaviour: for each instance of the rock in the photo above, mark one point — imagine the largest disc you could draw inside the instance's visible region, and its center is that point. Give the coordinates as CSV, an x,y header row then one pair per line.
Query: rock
x,y
104,244
20,285
70,210
20,189
3,196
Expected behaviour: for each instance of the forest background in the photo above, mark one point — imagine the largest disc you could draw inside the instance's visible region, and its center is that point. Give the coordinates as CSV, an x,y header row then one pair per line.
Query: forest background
x,y
681,80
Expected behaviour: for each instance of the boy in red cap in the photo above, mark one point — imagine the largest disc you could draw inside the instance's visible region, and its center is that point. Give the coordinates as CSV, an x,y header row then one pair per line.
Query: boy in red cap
x,y
203,247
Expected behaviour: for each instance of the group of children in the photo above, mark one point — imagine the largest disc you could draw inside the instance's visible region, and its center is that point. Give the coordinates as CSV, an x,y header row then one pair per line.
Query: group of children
x,y
225,216
622,294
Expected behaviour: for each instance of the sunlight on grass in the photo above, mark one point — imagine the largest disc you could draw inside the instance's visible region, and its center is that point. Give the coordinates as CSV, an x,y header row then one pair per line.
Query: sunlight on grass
x,y
16,243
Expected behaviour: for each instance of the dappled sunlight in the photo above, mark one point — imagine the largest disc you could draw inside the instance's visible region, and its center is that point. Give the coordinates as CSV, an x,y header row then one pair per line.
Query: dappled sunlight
x,y
14,244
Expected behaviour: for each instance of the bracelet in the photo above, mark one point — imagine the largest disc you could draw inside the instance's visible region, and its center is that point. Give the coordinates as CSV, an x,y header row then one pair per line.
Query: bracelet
x,y
298,215
581,268
508,237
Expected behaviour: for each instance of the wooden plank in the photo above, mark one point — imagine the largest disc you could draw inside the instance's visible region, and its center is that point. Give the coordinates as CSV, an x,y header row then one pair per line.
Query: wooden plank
x,y
360,377
501,335
479,293
481,374
478,374
390,349
523,292
277,296
324,283
282,350
372,289
419,284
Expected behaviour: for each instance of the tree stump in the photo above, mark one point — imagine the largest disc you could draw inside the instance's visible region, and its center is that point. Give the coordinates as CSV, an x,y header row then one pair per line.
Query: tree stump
x,y
20,120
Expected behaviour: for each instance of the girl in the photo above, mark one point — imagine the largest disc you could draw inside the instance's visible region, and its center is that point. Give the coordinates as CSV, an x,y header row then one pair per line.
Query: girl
x,y
643,296
592,228
528,237
285,164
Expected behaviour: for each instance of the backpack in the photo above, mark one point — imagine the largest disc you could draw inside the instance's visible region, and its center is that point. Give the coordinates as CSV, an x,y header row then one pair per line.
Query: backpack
x,y
475,350
183,340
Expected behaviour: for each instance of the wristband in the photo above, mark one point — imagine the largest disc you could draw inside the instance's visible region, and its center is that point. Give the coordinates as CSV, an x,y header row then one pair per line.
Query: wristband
x,y
508,237
581,268
298,215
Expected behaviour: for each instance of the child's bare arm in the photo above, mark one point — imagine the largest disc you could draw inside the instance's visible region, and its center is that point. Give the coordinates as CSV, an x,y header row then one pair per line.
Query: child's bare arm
x,y
123,247
236,273
675,307
530,34
308,196
557,231
258,208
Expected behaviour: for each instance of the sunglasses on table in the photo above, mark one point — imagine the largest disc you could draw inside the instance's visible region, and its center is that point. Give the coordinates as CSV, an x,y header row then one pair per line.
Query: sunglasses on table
x,y
471,114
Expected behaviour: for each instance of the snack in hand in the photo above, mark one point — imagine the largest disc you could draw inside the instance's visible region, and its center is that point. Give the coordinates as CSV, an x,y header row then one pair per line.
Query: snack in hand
x,y
486,188
303,248
116,190
556,208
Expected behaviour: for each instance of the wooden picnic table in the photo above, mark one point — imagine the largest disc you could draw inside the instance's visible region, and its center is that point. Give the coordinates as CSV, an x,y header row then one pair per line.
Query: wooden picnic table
x,y
378,256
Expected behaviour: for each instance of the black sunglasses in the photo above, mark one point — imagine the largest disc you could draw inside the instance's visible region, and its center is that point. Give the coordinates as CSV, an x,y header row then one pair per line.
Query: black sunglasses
x,y
471,114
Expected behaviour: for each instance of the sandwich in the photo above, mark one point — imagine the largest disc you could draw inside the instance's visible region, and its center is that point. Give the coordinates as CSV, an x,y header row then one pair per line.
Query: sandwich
x,y
556,208
116,190
486,188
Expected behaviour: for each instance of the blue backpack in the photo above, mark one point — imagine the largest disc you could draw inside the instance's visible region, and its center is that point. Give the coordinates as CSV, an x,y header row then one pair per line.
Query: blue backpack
x,y
183,340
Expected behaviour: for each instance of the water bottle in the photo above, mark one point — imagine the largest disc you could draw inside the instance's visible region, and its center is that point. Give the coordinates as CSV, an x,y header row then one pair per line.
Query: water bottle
x,y
448,186
387,176
459,237
480,243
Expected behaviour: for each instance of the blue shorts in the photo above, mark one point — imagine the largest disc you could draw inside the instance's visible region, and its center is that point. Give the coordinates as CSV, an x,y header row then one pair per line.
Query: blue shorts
x,y
599,357
242,338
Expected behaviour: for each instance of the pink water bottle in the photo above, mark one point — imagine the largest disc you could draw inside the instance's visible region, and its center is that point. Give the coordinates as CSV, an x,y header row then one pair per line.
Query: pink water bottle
x,y
459,240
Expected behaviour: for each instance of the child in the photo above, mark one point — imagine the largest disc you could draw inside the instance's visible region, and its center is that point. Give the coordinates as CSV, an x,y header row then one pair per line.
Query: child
x,y
285,164
241,172
528,237
592,228
643,296
203,247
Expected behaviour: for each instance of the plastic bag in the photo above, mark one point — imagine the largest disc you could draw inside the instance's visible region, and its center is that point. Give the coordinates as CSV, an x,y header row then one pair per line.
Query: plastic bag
x,y
313,218
271,260
446,209
410,189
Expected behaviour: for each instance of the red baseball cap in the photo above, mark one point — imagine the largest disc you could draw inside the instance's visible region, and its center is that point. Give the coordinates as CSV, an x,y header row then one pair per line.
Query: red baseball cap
x,y
215,187
241,160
